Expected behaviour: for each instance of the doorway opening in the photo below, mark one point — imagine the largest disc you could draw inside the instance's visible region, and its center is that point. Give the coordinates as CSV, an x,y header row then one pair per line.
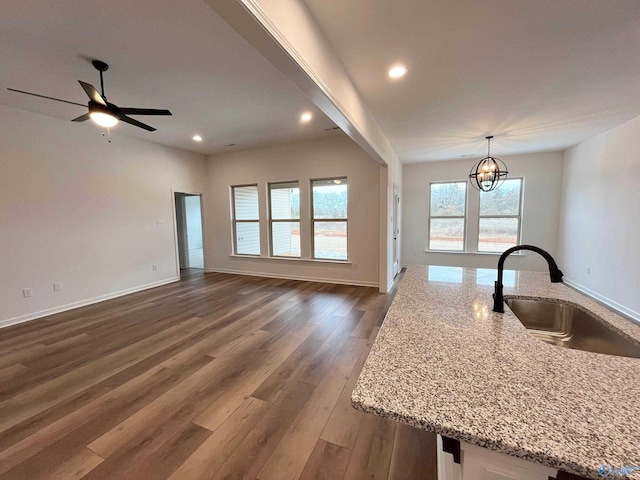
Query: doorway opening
x,y
189,231
396,230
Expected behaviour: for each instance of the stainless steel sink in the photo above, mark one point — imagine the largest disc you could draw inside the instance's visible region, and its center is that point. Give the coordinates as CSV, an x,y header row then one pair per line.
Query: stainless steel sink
x,y
567,326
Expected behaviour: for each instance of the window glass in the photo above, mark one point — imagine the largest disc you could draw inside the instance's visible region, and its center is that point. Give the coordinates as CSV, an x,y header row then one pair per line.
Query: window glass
x,y
446,234
247,238
330,240
246,224
447,208
246,202
497,234
448,199
284,207
285,200
329,201
505,200
499,222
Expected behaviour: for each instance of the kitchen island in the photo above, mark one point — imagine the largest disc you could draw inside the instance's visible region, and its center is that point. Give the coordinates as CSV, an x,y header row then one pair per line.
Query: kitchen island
x,y
444,362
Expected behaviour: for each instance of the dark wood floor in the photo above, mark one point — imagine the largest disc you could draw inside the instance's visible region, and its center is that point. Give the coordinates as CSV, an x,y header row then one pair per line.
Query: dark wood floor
x,y
213,377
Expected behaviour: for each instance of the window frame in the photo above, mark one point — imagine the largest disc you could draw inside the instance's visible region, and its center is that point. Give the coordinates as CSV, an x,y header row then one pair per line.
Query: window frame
x,y
235,221
518,216
281,220
336,220
463,217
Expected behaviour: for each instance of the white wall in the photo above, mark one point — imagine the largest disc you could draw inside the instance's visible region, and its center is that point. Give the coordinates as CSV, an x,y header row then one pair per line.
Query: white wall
x,y
542,192
77,210
600,219
337,156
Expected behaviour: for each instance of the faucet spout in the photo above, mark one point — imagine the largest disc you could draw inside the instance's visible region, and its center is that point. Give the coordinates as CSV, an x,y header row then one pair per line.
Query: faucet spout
x,y
554,272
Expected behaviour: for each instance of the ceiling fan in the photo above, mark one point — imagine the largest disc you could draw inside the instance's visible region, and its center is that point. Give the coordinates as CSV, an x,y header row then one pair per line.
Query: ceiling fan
x,y
101,111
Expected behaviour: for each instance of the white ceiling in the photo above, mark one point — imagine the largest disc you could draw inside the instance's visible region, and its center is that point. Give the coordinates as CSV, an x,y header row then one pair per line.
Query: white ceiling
x,y
162,54
539,75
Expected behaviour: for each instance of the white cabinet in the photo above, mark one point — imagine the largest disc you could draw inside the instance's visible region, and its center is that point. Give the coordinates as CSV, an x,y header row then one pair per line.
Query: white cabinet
x,y
477,463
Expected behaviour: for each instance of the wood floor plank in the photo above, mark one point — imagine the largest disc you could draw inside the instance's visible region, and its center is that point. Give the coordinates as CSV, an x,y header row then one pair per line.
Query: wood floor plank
x,y
327,462
414,454
19,355
74,468
156,456
9,373
316,368
212,454
63,387
207,378
292,367
293,452
214,377
244,385
371,455
46,417
343,425
82,426
250,455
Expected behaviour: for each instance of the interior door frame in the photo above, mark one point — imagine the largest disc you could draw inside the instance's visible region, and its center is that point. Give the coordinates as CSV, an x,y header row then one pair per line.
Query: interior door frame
x,y
175,226
182,234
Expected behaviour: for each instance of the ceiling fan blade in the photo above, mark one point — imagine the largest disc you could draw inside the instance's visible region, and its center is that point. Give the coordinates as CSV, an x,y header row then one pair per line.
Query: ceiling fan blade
x,y
81,118
143,111
49,98
92,93
136,123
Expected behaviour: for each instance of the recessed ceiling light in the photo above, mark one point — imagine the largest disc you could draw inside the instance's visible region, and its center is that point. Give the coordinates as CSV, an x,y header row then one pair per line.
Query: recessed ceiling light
x,y
306,117
397,71
197,138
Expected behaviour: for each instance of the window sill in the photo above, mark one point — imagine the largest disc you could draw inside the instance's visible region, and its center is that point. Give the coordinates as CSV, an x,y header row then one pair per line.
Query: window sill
x,y
291,259
491,254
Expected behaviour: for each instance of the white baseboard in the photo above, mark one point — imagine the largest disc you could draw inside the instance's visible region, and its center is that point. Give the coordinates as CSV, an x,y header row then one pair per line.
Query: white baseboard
x,y
357,283
627,312
82,303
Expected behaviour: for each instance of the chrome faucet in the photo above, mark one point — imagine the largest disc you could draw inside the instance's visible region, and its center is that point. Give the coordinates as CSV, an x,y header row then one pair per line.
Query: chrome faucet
x,y
554,272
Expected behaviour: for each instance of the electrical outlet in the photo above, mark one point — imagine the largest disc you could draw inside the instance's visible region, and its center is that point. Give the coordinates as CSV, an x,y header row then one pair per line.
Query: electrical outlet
x,y
154,267
27,293
57,287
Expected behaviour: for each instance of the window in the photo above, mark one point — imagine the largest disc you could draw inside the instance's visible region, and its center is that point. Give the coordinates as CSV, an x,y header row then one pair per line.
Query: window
x,y
466,220
447,210
284,201
246,226
499,225
329,222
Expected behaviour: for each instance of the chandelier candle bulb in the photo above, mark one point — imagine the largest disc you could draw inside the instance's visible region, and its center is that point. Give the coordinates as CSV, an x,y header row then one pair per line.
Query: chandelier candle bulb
x,y
489,173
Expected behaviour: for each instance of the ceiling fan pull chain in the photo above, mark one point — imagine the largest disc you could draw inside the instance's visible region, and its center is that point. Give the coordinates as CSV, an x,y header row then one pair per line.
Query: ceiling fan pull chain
x,y
108,135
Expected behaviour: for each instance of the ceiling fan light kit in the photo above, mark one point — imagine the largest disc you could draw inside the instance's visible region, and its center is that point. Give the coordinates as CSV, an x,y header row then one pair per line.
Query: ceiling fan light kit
x,y
102,112
489,173
102,116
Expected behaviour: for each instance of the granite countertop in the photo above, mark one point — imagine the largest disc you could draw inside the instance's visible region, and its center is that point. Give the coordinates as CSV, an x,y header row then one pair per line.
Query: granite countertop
x,y
444,362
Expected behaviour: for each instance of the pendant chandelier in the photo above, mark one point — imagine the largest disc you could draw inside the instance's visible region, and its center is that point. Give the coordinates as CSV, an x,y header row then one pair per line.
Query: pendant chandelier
x,y
489,173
